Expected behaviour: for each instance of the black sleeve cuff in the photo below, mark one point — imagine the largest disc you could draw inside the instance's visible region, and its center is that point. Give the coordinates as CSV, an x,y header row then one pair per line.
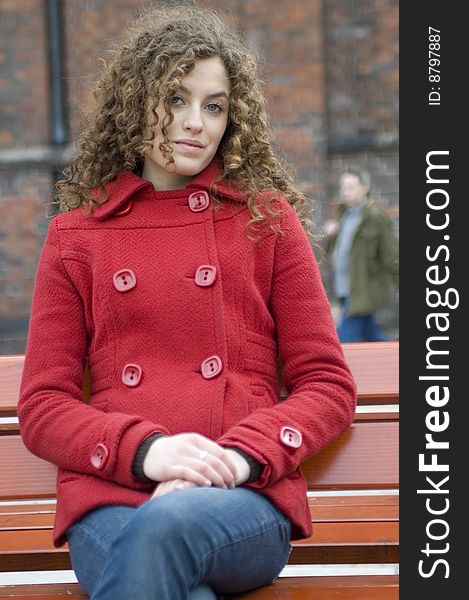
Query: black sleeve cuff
x,y
255,466
137,465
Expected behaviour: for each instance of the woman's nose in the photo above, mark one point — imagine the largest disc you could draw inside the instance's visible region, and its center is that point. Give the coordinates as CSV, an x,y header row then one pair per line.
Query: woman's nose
x,y
193,120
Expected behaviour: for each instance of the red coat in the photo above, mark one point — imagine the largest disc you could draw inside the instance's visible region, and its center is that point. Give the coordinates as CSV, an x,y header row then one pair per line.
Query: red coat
x,y
181,318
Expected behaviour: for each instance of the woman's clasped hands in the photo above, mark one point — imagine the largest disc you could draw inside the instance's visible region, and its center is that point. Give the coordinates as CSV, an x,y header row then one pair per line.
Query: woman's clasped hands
x,y
188,460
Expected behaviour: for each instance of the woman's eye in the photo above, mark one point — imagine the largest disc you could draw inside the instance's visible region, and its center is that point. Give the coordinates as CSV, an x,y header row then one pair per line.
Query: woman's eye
x,y
175,100
214,107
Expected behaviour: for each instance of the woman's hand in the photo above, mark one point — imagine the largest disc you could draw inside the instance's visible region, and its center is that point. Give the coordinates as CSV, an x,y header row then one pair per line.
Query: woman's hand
x,y
243,469
173,485
192,458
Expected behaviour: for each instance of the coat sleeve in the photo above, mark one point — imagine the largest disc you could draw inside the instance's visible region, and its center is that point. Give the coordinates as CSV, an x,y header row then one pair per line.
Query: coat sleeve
x,y
322,393
389,249
55,423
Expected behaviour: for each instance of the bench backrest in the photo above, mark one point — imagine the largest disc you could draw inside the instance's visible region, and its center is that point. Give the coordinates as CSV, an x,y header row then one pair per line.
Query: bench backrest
x,y
375,367
364,457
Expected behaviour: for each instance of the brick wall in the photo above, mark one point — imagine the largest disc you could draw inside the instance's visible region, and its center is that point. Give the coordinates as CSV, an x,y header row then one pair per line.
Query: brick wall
x,y
330,69
290,38
23,195
24,123
362,70
91,27
362,46
23,74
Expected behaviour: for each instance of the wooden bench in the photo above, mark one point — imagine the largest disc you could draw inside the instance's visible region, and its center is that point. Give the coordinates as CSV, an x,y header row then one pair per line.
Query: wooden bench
x,y
353,498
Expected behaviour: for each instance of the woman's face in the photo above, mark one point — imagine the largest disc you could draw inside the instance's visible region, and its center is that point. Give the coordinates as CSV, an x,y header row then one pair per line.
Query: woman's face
x,y
200,109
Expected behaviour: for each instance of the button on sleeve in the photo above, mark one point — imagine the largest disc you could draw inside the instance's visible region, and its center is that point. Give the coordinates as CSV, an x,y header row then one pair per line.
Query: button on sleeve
x,y
291,437
99,456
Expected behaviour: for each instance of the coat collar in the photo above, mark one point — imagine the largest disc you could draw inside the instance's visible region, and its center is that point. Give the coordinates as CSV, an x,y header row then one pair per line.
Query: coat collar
x,y
127,184
225,188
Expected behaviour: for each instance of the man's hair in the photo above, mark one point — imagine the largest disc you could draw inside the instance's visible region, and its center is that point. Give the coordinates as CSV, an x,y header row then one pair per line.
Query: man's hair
x,y
362,174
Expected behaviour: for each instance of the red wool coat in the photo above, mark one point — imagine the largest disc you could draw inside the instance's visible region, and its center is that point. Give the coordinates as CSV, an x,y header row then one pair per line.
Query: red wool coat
x,y
181,318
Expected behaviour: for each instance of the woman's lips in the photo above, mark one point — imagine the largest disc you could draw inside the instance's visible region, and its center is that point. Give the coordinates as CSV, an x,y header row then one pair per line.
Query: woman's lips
x,y
188,147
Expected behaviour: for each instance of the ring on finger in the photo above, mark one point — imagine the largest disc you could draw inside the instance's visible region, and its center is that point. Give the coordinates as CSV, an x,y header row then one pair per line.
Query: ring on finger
x,y
203,455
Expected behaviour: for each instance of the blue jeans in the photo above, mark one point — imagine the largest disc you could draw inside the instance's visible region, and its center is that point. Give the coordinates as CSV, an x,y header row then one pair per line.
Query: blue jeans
x,y
359,328
190,544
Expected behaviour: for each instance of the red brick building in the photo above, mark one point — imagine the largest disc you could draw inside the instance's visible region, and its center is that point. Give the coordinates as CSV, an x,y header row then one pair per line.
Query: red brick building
x,y
331,72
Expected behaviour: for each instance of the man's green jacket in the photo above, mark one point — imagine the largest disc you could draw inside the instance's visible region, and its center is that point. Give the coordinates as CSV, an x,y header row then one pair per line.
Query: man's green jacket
x,y
374,260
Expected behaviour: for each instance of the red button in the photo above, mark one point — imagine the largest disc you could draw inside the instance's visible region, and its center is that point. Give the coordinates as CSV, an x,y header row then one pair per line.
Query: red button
x,y
131,375
125,209
198,201
291,437
124,280
211,367
205,275
99,456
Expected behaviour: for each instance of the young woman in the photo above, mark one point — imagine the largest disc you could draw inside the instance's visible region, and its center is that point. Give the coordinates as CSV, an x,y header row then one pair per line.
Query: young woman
x,y
179,269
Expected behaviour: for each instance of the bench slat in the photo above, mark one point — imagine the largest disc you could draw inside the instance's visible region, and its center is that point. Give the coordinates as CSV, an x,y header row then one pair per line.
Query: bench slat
x,y
326,510
23,474
375,368
11,368
352,534
371,508
361,541
340,554
29,522
44,591
349,462
28,508
375,587
325,533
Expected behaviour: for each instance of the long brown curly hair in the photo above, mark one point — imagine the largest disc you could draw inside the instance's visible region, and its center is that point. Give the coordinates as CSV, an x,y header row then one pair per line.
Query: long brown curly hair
x,y
149,64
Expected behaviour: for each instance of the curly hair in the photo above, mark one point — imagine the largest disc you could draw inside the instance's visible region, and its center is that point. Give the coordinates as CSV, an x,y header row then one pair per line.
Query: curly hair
x,y
148,65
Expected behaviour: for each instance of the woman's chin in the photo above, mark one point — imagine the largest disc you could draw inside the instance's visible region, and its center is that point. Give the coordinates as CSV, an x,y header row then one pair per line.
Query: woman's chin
x,y
190,167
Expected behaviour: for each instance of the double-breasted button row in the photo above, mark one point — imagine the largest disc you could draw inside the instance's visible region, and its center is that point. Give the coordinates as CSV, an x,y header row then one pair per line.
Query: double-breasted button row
x,y
205,276
125,279
132,373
